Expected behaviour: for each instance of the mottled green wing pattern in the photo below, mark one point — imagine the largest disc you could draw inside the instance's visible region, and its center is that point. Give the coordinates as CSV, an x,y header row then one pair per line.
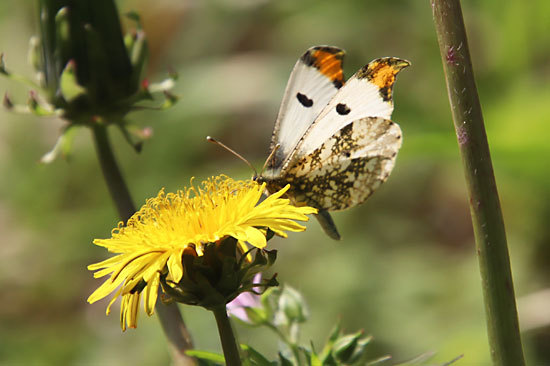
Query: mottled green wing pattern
x,y
346,169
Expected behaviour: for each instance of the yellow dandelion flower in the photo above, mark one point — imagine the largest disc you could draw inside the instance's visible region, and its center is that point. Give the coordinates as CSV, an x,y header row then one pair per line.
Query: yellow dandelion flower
x,y
155,238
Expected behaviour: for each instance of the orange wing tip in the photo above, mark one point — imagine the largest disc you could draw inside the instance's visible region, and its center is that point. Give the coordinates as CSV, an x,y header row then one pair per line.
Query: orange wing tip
x,y
382,72
328,60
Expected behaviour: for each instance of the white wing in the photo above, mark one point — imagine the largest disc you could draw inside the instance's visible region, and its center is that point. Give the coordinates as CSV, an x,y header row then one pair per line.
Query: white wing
x,y
315,79
368,93
348,167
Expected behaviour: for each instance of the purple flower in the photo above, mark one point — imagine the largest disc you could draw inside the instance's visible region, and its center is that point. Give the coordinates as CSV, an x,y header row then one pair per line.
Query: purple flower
x,y
237,307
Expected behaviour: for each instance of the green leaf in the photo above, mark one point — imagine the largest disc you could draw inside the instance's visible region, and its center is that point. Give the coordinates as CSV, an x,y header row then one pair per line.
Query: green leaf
x,y
70,89
255,357
360,350
214,358
138,57
35,58
345,346
314,360
335,333
63,29
130,137
39,108
68,139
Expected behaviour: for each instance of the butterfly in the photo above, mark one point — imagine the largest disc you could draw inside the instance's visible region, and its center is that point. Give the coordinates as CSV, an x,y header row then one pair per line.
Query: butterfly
x,y
333,141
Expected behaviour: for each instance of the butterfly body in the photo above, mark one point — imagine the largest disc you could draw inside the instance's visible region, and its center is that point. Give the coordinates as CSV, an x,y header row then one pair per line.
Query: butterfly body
x,y
334,143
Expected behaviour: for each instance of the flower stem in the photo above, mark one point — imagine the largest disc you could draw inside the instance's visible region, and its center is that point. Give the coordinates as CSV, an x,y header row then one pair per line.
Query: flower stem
x,y
292,345
490,236
169,315
227,337
112,174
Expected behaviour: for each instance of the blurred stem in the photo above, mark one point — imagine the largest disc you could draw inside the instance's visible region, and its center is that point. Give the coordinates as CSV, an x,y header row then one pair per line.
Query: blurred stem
x,y
169,315
227,337
490,236
112,174
292,345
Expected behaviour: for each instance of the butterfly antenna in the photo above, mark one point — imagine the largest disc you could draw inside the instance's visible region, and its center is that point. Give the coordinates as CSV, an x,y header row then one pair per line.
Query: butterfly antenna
x,y
214,141
270,157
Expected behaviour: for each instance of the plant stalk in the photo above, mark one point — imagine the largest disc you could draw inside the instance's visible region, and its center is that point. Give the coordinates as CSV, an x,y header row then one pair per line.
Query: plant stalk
x,y
169,315
292,345
490,236
227,337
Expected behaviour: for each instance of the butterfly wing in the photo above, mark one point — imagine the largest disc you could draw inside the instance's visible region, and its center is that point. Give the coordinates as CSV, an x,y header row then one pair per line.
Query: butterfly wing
x,y
368,93
349,150
315,79
348,167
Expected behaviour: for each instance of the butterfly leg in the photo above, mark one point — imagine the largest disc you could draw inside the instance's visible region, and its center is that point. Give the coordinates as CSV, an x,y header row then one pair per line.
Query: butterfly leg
x,y
327,224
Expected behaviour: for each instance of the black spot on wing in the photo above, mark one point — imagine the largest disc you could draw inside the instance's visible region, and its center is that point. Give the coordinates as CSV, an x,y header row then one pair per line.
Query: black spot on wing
x,y
306,102
337,83
342,109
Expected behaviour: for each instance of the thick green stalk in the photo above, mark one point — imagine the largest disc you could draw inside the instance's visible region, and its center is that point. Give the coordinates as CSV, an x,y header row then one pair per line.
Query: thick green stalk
x,y
490,236
227,337
169,315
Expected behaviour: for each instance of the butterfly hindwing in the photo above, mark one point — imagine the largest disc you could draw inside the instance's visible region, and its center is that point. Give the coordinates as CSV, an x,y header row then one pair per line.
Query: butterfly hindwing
x,y
348,167
315,79
368,93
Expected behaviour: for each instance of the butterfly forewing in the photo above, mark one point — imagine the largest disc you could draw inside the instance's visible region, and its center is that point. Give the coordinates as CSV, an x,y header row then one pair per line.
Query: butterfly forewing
x,y
368,93
315,79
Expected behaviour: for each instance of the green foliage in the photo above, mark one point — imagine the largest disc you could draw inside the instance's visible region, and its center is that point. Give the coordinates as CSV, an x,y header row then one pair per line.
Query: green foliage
x,y
283,311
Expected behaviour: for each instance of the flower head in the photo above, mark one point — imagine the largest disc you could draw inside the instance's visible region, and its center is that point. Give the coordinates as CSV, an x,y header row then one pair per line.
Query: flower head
x,y
153,246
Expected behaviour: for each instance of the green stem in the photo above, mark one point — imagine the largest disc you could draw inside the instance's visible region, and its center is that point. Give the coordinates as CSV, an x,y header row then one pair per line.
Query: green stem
x,y
490,236
227,337
169,315
112,174
292,345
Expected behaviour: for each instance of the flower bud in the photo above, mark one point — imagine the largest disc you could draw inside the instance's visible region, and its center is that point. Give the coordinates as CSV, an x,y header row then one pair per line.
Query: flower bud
x,y
293,306
350,348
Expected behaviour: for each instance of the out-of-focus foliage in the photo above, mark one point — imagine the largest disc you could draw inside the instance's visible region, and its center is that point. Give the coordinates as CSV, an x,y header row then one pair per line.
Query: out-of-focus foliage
x,y
406,269
282,310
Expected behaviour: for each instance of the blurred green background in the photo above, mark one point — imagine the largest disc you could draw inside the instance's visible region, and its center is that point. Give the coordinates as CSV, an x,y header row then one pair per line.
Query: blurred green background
x,y
405,271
